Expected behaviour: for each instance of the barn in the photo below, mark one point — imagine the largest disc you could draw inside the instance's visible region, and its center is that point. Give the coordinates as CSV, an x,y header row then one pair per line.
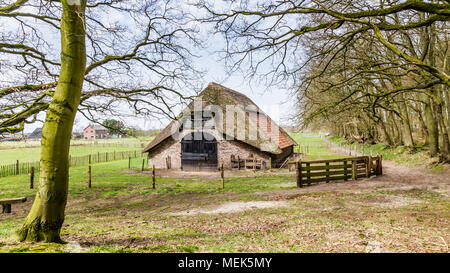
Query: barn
x,y
221,126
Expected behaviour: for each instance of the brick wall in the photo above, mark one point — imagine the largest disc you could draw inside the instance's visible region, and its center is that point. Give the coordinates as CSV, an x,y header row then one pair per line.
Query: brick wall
x,y
225,148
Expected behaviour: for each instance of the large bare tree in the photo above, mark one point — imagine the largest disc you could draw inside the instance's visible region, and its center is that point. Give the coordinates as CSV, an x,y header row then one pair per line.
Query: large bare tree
x,y
93,57
368,70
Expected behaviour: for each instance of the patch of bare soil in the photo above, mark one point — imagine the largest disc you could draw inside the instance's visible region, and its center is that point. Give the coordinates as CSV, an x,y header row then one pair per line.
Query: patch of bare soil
x,y
388,201
395,177
231,207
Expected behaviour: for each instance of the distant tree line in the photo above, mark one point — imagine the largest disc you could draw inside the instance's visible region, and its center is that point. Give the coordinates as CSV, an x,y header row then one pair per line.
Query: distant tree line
x,y
371,71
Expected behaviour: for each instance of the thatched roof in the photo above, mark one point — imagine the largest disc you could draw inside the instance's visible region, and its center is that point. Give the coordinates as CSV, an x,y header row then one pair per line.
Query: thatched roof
x,y
270,137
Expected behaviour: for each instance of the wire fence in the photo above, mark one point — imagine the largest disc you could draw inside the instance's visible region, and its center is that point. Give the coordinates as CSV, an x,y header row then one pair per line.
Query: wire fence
x,y
74,161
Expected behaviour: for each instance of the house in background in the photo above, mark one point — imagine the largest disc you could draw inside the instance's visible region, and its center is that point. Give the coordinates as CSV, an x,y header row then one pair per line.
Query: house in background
x,y
206,148
95,131
36,134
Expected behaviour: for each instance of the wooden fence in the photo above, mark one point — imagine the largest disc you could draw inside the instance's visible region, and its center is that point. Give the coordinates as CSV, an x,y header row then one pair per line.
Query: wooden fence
x,y
247,163
317,171
74,161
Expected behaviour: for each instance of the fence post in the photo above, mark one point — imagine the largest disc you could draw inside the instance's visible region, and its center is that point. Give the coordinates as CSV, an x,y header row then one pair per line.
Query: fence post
x,y
298,168
380,164
345,170
222,175
308,173
90,177
17,167
143,162
129,162
328,172
369,166
153,177
32,178
354,174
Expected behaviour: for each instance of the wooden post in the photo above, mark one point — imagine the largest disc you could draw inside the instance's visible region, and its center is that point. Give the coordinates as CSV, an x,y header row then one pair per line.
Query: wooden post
x,y
129,162
32,178
308,173
17,167
153,177
354,174
222,175
328,171
380,164
369,167
345,170
298,170
143,162
254,163
239,163
367,161
89,177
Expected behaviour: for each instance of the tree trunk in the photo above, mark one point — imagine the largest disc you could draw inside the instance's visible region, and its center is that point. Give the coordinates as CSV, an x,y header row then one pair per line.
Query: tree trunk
x,y
444,132
406,124
432,129
47,213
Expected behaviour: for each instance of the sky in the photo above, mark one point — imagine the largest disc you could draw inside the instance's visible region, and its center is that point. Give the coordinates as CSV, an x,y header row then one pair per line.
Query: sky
x,y
277,103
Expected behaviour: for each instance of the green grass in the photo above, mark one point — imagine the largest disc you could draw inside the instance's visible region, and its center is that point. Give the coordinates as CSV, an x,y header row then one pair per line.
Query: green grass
x,y
12,151
313,146
113,179
122,213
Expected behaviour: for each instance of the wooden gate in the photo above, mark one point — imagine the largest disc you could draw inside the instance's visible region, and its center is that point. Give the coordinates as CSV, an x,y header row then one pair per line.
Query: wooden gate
x,y
337,169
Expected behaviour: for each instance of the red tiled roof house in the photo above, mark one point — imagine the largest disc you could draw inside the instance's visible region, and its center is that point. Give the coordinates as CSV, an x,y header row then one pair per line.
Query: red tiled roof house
x,y
95,132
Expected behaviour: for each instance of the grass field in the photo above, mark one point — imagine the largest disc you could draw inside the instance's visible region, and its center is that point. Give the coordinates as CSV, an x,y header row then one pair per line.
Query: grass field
x,y
29,152
256,212
315,147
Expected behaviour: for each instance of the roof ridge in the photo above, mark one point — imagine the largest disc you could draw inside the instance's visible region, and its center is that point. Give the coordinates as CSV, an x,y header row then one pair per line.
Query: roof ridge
x,y
212,84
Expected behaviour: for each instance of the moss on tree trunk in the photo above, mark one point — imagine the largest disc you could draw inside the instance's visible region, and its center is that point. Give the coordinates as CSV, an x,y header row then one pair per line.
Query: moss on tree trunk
x,y
47,213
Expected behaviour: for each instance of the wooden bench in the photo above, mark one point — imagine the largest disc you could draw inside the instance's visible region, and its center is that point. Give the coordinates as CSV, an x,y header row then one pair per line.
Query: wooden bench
x,y
6,203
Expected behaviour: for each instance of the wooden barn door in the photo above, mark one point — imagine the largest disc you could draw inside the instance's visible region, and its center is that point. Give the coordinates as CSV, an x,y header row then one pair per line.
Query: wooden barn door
x,y
199,152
